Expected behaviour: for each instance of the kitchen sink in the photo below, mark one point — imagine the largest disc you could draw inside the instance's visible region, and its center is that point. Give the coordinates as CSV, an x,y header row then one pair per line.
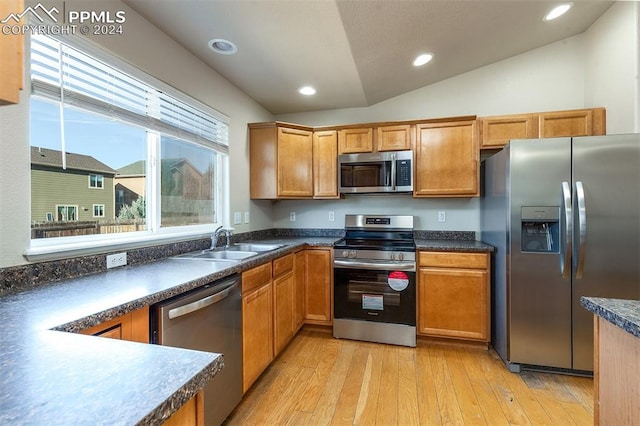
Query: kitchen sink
x,y
223,255
257,247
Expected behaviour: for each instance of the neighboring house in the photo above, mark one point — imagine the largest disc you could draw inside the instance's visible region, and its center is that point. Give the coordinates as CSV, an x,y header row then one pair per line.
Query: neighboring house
x,y
82,191
129,184
184,188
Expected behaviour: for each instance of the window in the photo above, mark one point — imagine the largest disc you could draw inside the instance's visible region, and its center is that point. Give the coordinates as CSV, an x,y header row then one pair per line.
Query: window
x,y
66,213
158,156
96,181
98,210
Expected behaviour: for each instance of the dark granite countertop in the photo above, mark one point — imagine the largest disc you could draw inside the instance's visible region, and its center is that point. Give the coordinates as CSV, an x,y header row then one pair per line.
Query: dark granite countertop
x,y
453,245
622,313
51,375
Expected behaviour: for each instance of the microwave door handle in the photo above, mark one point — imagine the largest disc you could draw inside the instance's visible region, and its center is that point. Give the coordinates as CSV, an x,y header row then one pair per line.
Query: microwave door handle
x,y
393,172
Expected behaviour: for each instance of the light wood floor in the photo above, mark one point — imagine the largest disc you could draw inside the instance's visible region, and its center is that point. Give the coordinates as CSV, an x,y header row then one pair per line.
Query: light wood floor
x,y
320,380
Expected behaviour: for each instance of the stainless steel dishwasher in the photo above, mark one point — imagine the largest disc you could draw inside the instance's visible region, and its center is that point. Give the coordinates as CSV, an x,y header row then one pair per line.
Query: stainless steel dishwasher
x,y
208,319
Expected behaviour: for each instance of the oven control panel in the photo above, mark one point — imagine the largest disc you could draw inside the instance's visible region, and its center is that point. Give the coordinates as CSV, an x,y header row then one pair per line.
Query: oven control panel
x,y
374,255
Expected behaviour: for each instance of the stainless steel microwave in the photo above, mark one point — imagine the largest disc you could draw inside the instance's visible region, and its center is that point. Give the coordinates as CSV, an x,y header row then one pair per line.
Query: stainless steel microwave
x,y
377,172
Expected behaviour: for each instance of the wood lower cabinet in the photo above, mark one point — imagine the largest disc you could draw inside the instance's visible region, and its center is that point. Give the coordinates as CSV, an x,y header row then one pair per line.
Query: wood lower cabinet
x,y
281,161
257,323
298,272
447,159
133,326
319,286
11,54
454,295
283,302
351,141
325,164
190,414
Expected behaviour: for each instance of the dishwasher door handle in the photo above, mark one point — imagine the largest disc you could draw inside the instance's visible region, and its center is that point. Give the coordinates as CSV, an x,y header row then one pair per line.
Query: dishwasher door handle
x,y
204,302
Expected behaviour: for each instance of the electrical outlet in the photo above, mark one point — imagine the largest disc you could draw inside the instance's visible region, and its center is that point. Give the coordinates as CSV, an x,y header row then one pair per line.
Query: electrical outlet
x,y
442,216
237,218
292,216
246,217
332,217
118,259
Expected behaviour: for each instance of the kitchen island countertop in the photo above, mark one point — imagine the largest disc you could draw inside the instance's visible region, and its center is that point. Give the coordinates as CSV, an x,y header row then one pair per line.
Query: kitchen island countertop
x,y
622,313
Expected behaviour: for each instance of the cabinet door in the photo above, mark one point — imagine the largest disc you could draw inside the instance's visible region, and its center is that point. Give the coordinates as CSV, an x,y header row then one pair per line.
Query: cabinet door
x,y
298,272
11,48
498,131
133,326
295,163
584,122
318,286
325,164
351,141
283,311
257,334
395,138
453,303
447,158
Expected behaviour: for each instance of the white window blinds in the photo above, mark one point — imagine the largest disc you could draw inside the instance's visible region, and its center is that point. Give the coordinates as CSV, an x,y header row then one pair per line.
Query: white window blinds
x,y
64,74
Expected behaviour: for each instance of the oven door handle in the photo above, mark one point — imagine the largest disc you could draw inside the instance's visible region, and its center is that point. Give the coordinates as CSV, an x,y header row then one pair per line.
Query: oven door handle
x,y
377,266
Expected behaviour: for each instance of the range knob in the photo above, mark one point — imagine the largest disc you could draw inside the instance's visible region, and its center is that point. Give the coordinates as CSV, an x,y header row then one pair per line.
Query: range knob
x,y
400,256
393,256
352,254
345,253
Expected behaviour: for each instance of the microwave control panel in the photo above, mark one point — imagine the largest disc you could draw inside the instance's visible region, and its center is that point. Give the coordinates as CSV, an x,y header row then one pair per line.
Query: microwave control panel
x,y
403,173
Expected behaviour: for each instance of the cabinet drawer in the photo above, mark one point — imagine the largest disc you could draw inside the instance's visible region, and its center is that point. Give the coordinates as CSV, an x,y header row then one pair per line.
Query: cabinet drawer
x,y
283,264
254,278
454,260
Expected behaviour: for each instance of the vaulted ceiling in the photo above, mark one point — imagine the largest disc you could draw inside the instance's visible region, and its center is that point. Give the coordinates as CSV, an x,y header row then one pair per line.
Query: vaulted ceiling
x,y
357,52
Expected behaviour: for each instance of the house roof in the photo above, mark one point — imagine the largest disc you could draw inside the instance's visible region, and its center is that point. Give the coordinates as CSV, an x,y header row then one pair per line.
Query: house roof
x,y
53,158
137,168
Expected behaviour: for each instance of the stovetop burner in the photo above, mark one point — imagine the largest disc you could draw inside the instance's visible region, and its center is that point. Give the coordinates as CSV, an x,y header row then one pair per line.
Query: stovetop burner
x,y
376,232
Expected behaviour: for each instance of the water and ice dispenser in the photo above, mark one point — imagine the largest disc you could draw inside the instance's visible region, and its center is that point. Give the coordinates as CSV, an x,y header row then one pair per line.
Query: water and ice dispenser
x,y
540,229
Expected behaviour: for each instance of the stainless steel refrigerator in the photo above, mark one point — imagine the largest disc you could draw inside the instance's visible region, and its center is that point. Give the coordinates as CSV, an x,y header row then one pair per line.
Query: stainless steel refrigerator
x,y
564,216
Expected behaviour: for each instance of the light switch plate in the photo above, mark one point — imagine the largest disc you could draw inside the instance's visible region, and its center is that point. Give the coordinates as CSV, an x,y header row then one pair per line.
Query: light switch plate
x,y
237,218
442,216
246,217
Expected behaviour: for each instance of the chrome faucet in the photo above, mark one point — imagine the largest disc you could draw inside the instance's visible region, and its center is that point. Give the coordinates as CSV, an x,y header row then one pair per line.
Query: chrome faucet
x,y
216,236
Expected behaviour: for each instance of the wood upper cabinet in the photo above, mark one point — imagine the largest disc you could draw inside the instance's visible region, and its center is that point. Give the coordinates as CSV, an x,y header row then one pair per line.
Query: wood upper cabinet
x,y
133,326
281,161
395,138
257,323
454,295
325,164
497,131
447,159
351,141
11,53
299,295
283,302
318,286
582,122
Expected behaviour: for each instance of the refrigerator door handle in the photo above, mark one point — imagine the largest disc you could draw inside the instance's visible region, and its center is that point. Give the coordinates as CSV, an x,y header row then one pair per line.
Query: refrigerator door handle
x,y
582,229
565,255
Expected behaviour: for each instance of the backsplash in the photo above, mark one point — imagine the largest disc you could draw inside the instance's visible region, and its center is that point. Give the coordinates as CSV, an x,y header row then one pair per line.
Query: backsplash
x,y
23,277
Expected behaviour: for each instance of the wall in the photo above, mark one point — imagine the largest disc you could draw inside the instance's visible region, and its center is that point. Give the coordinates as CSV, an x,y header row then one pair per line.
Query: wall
x,y
611,68
147,48
596,68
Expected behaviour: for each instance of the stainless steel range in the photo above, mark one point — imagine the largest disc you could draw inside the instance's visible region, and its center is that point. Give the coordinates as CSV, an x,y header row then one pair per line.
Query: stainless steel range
x,y
375,280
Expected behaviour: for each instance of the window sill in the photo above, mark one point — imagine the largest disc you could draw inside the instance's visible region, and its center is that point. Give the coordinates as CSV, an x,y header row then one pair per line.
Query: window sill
x,y
40,252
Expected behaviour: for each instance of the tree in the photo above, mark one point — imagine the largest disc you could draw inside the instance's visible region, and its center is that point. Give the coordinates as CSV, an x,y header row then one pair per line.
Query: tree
x,y
137,210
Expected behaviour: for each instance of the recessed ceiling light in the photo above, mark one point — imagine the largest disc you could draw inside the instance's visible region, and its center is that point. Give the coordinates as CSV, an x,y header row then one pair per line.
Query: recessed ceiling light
x,y
557,11
420,60
222,46
307,91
